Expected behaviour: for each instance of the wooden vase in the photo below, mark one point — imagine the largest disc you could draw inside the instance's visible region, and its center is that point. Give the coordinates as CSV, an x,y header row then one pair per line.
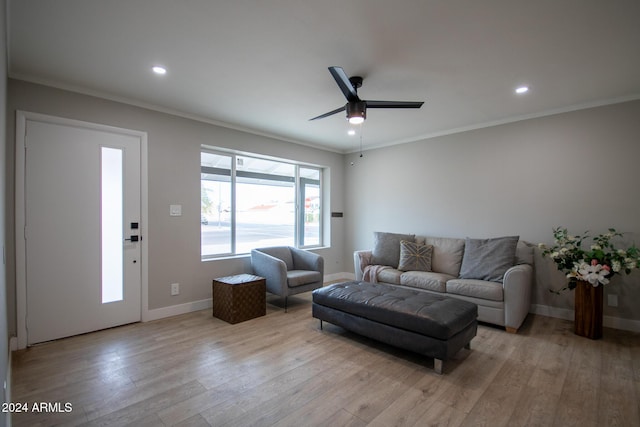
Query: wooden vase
x,y
588,310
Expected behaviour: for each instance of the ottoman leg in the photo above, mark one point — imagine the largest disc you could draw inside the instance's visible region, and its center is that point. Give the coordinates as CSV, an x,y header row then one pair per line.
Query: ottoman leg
x,y
437,366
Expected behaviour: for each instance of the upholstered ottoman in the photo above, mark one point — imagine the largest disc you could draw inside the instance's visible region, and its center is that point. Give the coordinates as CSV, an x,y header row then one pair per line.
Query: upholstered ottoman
x,y
433,325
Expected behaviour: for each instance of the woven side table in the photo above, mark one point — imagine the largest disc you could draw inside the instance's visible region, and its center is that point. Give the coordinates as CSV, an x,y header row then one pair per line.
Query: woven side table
x,y
239,298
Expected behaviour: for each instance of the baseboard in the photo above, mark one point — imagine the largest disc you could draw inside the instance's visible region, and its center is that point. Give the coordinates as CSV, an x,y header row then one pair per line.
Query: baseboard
x,y
339,276
175,310
567,314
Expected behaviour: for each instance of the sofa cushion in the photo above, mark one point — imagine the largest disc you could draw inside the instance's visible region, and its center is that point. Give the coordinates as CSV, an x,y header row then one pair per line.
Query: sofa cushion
x,y
447,254
488,259
386,247
389,275
414,257
426,280
476,289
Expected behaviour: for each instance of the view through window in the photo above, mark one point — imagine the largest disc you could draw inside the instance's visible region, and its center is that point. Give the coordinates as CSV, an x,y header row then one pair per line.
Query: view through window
x,y
249,202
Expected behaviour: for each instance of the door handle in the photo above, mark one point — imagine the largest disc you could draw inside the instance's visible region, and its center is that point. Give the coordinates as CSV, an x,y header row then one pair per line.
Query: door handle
x,y
132,239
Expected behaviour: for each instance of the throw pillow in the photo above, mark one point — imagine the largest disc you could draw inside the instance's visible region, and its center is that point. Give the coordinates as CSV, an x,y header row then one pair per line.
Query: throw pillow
x,y
414,256
488,259
386,248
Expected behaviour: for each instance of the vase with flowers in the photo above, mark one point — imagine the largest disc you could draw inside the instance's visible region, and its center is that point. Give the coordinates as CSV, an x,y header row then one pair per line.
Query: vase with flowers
x,y
588,270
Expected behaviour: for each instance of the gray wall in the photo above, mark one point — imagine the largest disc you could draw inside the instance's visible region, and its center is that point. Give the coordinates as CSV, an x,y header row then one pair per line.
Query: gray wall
x,y
174,178
577,169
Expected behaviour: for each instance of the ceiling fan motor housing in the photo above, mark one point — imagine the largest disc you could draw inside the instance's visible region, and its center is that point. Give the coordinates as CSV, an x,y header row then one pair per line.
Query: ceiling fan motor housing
x,y
356,109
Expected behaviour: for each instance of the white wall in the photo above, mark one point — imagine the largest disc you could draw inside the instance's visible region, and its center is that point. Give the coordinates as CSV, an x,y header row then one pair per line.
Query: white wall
x,y
174,178
576,169
4,329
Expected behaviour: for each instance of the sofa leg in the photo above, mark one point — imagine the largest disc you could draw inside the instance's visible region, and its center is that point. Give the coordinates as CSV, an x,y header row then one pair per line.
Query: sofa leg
x,y
285,304
511,330
437,366
468,345
320,324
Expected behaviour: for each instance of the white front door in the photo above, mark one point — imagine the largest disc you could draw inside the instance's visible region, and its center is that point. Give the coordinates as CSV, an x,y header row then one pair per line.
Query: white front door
x,y
82,229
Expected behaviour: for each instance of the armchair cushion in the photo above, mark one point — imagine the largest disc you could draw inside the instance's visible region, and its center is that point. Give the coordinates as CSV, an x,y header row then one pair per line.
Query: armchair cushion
x,y
302,277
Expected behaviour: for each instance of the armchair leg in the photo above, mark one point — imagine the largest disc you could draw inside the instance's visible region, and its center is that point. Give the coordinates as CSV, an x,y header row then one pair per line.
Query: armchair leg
x,y
285,304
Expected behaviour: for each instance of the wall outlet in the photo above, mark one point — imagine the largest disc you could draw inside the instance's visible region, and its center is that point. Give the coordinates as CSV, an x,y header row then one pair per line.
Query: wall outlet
x,y
175,289
612,300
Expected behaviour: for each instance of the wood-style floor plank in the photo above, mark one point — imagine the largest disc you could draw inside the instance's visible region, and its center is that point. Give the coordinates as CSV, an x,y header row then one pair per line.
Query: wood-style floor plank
x,y
282,370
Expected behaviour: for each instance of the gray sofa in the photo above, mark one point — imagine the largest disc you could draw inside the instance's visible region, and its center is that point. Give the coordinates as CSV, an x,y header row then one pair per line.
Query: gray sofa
x,y
496,274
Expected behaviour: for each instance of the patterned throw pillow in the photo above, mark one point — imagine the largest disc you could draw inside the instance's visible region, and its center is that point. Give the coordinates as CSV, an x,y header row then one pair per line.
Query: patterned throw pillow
x,y
414,256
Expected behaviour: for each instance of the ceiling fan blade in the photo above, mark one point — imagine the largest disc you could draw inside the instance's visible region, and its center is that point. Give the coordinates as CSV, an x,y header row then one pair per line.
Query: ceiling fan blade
x,y
330,113
345,85
393,104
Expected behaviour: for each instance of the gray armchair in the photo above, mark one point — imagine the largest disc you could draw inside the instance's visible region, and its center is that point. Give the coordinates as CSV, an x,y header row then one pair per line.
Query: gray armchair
x,y
288,270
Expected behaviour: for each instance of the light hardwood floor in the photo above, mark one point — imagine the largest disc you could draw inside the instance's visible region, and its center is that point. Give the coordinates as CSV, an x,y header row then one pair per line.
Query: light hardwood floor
x,y
282,370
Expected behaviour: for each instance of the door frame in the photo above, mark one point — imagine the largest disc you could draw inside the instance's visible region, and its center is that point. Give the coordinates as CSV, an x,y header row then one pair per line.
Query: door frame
x,y
20,227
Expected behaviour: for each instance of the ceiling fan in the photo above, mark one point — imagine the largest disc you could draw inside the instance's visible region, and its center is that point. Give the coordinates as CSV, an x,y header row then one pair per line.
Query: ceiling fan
x,y
355,107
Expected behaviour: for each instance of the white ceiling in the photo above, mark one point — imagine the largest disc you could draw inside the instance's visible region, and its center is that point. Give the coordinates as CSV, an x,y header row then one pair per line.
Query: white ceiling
x,y
261,65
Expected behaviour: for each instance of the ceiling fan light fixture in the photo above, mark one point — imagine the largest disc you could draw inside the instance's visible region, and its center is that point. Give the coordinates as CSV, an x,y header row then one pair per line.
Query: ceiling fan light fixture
x,y
158,69
356,112
356,120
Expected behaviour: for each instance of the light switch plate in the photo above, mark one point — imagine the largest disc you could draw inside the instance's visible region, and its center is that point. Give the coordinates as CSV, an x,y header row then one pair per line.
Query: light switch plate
x,y
175,210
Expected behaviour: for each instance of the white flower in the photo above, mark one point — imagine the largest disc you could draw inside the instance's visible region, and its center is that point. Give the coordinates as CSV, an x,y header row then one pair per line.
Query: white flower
x,y
593,273
564,251
616,266
554,255
629,263
622,252
596,247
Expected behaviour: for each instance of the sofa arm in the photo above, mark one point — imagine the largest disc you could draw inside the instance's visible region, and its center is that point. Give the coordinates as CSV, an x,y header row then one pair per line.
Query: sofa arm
x,y
273,269
360,260
517,285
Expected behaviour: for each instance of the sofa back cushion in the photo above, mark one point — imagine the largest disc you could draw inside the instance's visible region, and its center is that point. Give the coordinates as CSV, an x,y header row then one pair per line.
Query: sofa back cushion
x,y
447,254
488,259
386,248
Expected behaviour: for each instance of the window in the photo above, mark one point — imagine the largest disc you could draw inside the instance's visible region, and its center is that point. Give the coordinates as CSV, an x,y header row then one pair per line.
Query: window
x,y
248,202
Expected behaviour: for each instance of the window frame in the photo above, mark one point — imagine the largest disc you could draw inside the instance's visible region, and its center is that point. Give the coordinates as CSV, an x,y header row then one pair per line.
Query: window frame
x,y
298,182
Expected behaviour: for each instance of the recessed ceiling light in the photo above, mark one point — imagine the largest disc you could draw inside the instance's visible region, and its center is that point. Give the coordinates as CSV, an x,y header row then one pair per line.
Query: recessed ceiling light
x,y
351,132
159,70
522,89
